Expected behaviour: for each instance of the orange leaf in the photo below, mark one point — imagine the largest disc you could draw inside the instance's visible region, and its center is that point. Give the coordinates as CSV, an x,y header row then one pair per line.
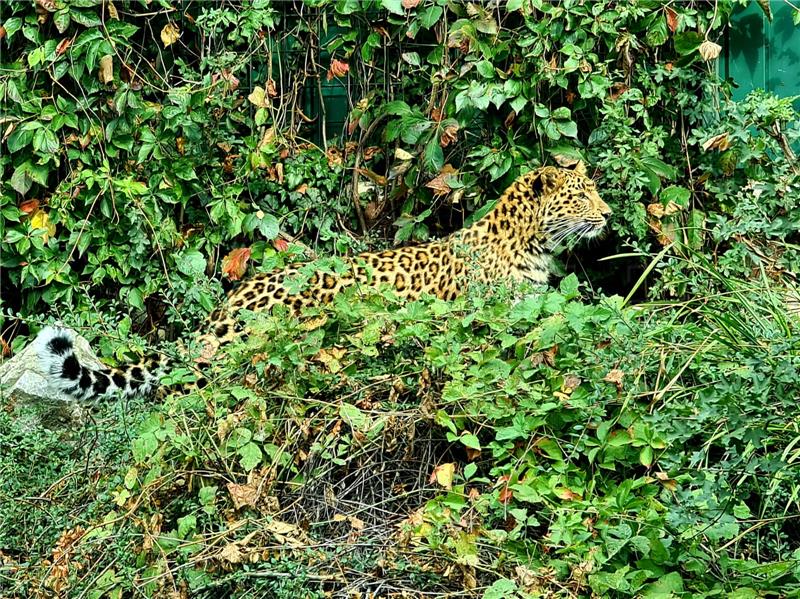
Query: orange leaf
x,y
281,244
235,263
338,68
63,45
505,495
409,4
29,206
672,19
568,494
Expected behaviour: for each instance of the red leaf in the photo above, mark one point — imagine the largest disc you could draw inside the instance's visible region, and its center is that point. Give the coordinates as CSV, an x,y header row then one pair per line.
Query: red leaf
x,y
281,244
235,263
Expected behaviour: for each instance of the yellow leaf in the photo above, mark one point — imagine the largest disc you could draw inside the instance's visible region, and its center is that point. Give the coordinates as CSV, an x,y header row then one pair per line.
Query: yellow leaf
x,y
443,475
258,97
170,34
41,220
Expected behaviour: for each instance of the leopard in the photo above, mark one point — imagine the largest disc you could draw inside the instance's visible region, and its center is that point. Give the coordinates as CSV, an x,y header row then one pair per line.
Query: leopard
x,y
513,242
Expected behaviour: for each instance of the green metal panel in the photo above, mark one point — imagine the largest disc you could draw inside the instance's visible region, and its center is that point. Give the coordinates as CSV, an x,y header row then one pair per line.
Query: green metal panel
x,y
763,54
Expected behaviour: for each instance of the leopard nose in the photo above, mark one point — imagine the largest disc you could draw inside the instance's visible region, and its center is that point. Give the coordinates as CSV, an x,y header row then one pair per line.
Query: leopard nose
x,y
603,208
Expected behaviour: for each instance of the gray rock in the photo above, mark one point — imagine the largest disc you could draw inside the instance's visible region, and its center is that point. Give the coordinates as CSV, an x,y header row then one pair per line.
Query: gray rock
x,y
25,386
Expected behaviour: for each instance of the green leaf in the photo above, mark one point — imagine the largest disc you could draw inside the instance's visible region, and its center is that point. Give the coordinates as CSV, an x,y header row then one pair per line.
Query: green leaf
x,y
397,108
61,20
187,525
669,585
569,286
646,456
687,42
657,32
393,6
470,441
485,69
192,262
434,157
512,5
135,298
269,227
354,417
502,588
428,17
250,456
144,446
675,193
470,470
86,18
12,25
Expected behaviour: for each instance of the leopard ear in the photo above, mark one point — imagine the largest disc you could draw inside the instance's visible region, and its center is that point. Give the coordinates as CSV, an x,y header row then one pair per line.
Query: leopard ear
x,y
580,168
546,180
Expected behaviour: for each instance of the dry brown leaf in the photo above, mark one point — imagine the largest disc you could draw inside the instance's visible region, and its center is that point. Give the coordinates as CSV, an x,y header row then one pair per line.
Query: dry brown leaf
x,y
505,495
258,97
719,142
709,50
314,323
48,5
285,533
180,144
63,46
105,72
243,495
330,358
231,554
334,156
658,210
170,34
112,10
571,382
449,135
235,263
373,176
615,377
567,494
439,183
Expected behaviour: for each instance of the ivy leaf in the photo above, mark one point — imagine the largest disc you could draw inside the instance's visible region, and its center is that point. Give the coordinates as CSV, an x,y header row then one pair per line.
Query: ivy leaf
x,y
61,20
393,6
434,156
430,16
687,42
250,456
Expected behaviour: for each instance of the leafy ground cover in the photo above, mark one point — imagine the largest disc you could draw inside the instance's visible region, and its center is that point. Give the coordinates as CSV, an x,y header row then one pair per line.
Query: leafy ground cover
x,y
630,432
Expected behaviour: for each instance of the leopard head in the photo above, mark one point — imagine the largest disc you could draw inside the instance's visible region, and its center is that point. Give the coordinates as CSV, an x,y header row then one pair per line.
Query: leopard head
x,y
559,203
568,204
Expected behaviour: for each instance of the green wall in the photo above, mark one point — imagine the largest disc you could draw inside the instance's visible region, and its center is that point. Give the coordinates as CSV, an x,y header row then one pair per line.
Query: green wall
x,y
763,54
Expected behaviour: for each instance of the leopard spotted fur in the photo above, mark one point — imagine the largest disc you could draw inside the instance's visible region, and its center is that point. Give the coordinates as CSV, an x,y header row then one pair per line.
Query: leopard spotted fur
x,y
512,242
